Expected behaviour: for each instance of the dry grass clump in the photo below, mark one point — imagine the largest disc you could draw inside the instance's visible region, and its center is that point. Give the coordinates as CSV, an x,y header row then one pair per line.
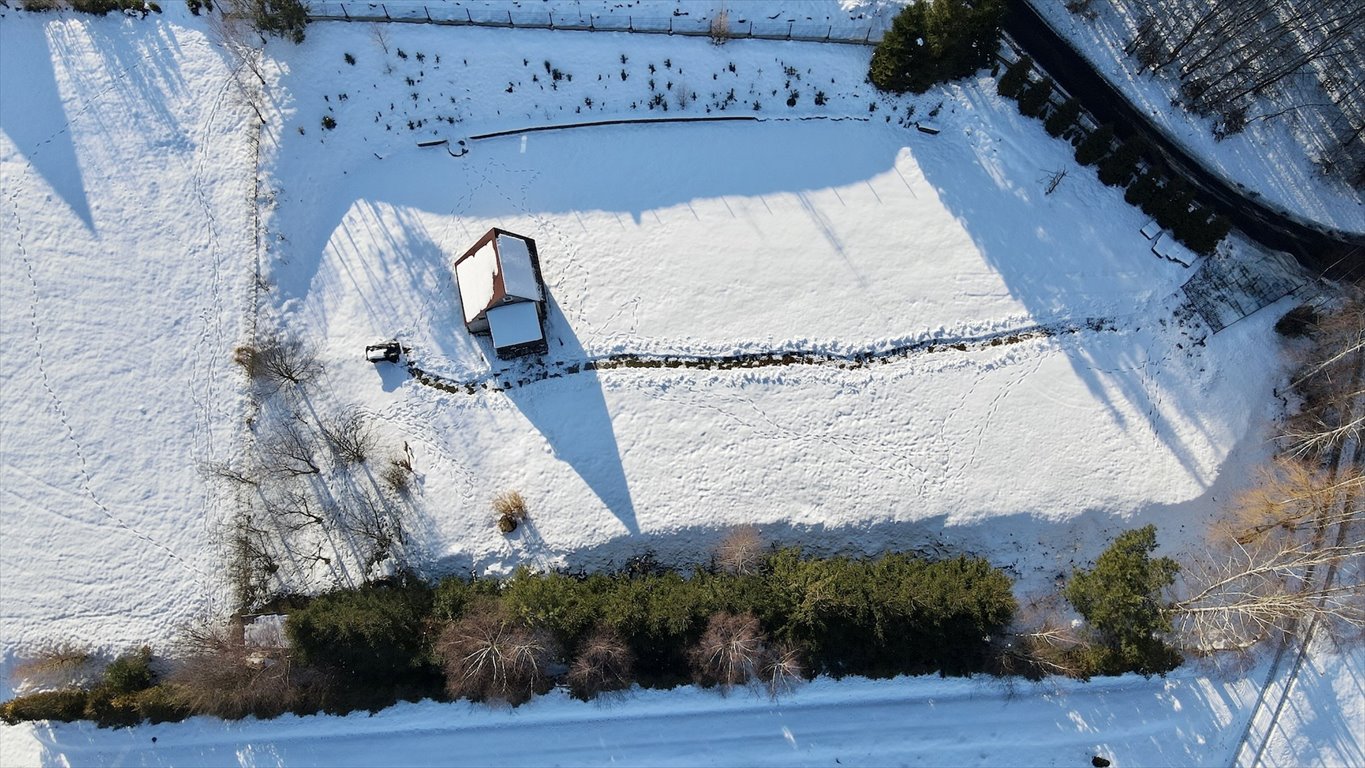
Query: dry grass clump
x,y
741,551
510,508
489,656
731,650
604,663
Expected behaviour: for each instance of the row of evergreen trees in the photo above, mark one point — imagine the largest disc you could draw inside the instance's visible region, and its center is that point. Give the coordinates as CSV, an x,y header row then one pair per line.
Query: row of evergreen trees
x,y
935,41
1164,196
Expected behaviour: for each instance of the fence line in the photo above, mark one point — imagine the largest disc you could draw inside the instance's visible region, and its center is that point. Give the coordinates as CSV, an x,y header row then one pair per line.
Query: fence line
x,y
449,15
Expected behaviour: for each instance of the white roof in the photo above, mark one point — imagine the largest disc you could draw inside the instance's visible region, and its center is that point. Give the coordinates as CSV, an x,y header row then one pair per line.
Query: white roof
x,y
513,324
475,278
1151,229
518,275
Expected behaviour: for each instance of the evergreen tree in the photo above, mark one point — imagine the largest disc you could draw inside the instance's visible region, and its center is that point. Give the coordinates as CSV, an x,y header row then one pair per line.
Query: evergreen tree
x,y
1095,146
1121,600
935,41
1063,117
1015,78
1033,100
1117,169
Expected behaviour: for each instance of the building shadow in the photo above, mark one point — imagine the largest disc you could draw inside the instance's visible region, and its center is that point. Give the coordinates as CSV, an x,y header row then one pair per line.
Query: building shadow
x,y
572,416
33,108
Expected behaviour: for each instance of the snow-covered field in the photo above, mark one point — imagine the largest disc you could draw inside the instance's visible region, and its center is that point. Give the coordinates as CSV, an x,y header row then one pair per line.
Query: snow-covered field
x,y
1036,387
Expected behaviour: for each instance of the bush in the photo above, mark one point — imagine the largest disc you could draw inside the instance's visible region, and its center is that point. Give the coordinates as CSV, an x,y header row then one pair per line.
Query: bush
x,y
1033,100
1121,599
1015,78
604,664
936,41
489,655
1095,145
328,122
741,551
130,673
1299,321
374,633
1062,118
730,652
1143,190
61,706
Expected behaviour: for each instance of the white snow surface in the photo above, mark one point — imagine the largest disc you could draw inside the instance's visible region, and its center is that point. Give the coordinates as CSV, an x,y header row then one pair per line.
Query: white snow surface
x,y
1192,717
513,324
518,274
127,160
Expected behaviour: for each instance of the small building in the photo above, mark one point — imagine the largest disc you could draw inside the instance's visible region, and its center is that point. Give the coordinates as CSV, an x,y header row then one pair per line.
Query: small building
x,y
503,292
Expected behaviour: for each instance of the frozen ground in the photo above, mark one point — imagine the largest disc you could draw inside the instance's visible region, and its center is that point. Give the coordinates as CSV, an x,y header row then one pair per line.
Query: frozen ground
x,y
1270,158
1192,717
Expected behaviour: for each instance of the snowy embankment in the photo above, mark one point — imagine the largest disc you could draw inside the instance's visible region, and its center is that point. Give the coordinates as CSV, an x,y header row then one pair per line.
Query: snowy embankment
x,y
127,256
1272,159
1191,717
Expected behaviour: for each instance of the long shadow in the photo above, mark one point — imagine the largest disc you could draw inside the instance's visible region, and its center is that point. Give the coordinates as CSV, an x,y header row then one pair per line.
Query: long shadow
x,y
573,417
32,106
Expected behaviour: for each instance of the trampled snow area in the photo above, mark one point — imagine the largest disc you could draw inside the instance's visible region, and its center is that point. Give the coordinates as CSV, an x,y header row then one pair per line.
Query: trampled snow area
x,y
1190,718
974,365
1271,158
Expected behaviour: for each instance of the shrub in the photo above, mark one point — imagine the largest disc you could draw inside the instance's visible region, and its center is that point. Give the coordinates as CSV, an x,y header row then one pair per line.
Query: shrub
x,y
488,655
1143,190
62,706
741,551
510,508
373,633
280,360
730,652
130,673
1121,599
604,663
1299,321
719,30
1095,145
1063,117
38,6
1015,78
328,122
1033,100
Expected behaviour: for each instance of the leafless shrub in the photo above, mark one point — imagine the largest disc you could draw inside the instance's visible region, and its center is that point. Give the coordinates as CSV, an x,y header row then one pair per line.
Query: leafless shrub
x,y
374,525
488,655
280,361
730,651
1052,648
252,562
397,475
1053,180
291,451
720,27
223,677
741,551
604,663
782,669
227,470
350,436
59,666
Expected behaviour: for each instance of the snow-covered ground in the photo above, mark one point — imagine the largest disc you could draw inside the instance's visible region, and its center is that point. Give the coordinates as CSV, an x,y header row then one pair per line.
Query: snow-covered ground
x,y
125,268
129,265
1270,158
1192,717
827,235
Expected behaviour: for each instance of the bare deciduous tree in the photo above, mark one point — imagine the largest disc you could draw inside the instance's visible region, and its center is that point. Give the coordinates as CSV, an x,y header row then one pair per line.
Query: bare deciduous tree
x,y
350,436
291,450
286,360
